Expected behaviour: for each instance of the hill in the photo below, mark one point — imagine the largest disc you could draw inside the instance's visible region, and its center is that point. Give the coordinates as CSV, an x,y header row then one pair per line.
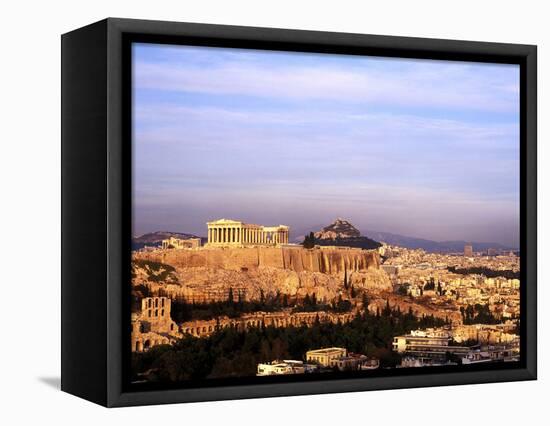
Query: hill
x,y
342,233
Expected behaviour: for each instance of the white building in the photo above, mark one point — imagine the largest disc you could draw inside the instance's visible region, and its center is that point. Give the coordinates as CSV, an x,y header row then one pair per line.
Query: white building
x,y
287,366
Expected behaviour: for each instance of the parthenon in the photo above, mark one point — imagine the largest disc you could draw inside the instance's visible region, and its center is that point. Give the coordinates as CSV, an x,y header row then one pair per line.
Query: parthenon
x,y
227,232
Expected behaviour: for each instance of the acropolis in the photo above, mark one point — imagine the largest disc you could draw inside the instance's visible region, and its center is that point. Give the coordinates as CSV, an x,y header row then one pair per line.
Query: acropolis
x,y
234,233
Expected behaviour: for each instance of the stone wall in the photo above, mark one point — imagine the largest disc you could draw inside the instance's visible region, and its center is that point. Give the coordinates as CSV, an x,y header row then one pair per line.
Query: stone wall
x,y
297,259
259,319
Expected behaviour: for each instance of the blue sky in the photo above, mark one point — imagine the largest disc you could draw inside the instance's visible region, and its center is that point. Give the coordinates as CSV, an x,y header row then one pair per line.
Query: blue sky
x,y
417,147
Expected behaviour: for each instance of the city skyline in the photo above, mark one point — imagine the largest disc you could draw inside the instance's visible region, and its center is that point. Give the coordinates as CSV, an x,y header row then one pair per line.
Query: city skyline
x,y
422,148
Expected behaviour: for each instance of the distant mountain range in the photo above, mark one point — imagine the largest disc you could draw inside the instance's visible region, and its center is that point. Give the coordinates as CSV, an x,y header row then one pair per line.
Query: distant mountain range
x,y
343,228
433,246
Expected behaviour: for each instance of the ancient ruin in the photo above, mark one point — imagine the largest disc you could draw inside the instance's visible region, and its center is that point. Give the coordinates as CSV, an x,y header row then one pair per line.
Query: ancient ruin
x,y
180,243
234,233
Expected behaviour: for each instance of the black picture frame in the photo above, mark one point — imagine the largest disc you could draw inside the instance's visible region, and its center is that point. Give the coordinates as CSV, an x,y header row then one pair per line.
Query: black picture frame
x,y
96,205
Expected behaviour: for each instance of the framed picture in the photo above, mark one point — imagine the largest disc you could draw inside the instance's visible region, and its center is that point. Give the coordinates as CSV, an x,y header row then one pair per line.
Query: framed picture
x,y
255,212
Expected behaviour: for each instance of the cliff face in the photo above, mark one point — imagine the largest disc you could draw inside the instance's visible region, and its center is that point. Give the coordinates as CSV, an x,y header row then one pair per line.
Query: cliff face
x,y
326,261
207,274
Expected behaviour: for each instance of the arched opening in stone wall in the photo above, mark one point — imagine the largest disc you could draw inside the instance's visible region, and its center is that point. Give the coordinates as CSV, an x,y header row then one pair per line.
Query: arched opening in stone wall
x,y
147,344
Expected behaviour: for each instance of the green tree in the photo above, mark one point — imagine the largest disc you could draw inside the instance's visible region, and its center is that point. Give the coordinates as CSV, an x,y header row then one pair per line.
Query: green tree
x,y
309,241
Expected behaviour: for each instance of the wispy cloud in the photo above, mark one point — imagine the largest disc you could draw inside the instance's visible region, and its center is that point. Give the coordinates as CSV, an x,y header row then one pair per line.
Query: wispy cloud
x,y
420,83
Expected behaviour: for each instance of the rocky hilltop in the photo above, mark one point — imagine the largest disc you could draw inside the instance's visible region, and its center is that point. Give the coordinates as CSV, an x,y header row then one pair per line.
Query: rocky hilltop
x,y
342,233
340,228
208,274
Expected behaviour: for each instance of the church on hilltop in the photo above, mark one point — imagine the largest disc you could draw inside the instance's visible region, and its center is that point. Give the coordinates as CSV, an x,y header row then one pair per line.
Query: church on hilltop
x,y
234,233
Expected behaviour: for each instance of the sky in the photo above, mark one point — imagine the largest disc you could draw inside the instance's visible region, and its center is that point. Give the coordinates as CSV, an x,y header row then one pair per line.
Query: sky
x,y
421,148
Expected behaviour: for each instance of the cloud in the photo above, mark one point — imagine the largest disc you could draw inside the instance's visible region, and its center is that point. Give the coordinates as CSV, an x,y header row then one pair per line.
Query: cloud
x,y
425,83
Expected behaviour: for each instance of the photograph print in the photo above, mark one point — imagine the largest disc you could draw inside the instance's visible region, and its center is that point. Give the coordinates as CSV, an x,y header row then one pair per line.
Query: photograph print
x,y
324,215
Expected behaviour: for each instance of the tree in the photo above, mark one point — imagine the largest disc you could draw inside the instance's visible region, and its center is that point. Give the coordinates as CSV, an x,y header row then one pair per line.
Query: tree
x,y
402,290
430,285
285,300
387,309
309,241
365,301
